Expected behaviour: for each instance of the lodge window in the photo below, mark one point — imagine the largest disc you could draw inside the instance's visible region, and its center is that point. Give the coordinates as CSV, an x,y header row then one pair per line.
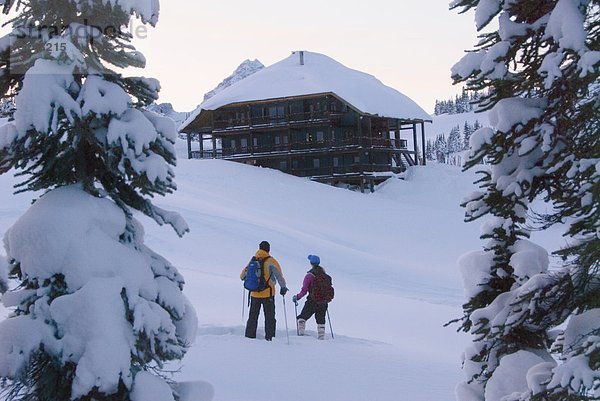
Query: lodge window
x,y
320,136
285,139
277,140
240,116
255,140
316,163
283,165
244,143
233,144
336,162
276,112
356,159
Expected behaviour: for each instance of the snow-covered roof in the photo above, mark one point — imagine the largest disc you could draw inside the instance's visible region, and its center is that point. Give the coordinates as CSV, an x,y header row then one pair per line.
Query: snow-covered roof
x,y
319,74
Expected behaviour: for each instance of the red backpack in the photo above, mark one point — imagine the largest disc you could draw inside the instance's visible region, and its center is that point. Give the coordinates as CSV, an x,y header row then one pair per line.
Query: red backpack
x,y
321,290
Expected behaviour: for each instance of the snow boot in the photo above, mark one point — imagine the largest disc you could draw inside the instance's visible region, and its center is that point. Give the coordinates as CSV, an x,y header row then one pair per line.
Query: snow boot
x,y
301,326
321,331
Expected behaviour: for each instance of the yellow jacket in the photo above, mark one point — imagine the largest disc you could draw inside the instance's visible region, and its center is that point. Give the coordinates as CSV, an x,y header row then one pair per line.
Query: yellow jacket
x,y
271,272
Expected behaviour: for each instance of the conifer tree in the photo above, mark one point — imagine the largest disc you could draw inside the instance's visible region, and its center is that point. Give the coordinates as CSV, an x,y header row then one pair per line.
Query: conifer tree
x,y
437,108
7,107
96,312
535,327
430,150
467,131
441,148
454,141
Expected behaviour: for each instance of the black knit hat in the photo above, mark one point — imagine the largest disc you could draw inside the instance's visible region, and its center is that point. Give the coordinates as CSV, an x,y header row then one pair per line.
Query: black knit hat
x,y
265,246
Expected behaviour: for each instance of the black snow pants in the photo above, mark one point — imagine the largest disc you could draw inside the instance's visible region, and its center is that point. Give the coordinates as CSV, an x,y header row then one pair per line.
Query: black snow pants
x,y
268,305
312,308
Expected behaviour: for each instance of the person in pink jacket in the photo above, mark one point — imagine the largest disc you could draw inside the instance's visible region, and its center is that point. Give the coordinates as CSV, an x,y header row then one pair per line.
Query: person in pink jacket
x,y
311,306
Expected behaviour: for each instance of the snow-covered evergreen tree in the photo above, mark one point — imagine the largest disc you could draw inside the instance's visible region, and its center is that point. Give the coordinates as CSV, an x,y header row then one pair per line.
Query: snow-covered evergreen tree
x,y
441,148
536,328
467,131
454,140
430,150
96,312
7,107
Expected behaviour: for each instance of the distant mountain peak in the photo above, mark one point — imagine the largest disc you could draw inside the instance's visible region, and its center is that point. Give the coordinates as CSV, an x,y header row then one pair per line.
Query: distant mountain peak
x,y
166,110
247,68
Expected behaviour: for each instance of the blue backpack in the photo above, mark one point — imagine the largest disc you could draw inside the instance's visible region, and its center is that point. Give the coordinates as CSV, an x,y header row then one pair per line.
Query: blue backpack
x,y
255,276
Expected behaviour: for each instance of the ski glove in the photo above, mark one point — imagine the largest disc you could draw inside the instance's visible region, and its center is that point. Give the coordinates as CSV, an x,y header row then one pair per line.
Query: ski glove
x,y
295,298
283,290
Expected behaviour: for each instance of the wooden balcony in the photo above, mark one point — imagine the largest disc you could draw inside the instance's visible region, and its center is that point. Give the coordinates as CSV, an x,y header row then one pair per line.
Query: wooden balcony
x,y
298,148
261,122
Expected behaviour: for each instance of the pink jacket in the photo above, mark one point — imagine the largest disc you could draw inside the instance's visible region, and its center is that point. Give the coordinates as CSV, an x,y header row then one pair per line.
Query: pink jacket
x,y
305,285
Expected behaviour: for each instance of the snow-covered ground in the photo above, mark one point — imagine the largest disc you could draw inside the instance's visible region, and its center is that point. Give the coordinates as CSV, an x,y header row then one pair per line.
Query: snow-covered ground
x,y
392,255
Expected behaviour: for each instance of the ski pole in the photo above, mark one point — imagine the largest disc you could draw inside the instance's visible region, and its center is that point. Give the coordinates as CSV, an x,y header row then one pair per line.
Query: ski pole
x,y
296,310
330,328
287,333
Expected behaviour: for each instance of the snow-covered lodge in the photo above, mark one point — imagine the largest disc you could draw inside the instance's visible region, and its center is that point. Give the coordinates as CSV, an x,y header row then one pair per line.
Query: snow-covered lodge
x,y
310,116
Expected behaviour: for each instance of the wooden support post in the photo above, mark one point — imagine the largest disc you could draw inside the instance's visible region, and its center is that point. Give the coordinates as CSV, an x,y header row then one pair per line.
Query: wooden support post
x,y
214,147
414,130
423,143
201,140
189,145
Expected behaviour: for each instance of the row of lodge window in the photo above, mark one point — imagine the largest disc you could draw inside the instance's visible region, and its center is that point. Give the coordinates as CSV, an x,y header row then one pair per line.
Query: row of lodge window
x,y
282,139
277,112
316,163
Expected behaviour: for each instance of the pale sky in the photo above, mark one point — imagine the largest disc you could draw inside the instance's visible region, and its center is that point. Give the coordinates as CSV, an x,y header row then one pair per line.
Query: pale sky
x,y
409,45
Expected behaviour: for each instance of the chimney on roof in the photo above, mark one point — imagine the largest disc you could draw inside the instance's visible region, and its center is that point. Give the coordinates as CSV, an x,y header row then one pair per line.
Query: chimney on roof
x,y
301,57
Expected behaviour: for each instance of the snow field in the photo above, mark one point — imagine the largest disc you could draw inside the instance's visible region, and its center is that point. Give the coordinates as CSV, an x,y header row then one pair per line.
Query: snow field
x,y
391,255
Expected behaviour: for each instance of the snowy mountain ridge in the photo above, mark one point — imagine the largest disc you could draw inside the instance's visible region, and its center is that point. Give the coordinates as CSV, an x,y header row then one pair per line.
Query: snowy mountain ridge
x,y
247,68
167,110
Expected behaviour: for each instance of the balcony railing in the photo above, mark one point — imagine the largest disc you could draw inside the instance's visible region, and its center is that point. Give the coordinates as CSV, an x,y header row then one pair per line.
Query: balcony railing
x,y
267,120
304,147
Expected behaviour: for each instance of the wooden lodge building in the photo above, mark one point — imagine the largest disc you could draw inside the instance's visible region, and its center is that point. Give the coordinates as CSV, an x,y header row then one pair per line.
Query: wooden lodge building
x,y
310,116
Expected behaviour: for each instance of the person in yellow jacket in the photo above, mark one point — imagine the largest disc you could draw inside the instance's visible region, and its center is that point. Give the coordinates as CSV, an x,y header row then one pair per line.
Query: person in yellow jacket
x,y
266,298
